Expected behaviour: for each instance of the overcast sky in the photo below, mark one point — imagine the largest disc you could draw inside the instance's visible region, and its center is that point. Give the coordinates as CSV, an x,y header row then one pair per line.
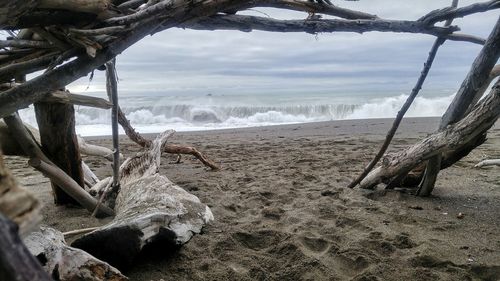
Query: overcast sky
x,y
181,61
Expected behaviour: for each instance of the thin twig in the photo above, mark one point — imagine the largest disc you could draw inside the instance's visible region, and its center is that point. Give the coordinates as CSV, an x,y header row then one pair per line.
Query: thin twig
x,y
79,231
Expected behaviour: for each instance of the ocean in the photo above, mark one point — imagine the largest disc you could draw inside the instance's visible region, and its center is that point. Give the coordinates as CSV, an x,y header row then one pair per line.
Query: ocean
x,y
156,112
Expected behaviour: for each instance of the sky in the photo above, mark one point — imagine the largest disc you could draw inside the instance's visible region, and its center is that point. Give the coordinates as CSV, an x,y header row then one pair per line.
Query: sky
x,y
179,61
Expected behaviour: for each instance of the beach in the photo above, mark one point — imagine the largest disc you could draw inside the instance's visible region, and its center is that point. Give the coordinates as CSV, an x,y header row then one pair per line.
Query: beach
x,y
283,212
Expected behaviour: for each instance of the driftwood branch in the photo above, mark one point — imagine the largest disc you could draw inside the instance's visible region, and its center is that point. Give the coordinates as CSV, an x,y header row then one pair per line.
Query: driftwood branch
x,y
169,148
478,121
399,117
309,7
76,99
112,90
249,23
452,13
476,79
18,43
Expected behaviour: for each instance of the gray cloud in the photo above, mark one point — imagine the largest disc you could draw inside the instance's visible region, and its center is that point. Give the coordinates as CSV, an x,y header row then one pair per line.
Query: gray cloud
x,y
180,61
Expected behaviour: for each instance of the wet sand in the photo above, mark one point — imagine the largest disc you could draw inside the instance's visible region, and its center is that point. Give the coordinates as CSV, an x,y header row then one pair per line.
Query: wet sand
x,y
282,211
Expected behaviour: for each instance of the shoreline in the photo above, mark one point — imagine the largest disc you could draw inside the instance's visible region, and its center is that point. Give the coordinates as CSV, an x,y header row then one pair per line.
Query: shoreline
x,y
351,126
283,212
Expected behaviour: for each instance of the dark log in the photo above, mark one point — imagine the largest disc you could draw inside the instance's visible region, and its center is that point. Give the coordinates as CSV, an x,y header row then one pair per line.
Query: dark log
x,y
16,262
66,263
478,76
150,211
56,123
454,137
475,81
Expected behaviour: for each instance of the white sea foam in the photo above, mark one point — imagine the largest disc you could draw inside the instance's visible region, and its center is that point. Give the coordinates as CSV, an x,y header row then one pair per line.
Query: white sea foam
x,y
153,115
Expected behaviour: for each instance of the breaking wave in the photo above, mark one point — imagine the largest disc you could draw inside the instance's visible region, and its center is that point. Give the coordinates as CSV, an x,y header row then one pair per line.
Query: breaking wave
x,y
149,117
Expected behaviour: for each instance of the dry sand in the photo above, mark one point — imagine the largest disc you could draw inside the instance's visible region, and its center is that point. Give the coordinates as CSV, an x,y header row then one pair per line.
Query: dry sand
x,y
282,211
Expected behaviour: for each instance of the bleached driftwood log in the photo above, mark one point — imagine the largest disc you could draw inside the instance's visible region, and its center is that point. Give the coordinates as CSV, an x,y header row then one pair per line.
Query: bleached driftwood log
x,y
95,150
477,122
149,208
67,263
16,203
490,162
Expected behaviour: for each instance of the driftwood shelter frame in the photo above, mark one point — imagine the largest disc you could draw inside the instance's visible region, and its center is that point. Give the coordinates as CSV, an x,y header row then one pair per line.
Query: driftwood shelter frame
x,y
70,39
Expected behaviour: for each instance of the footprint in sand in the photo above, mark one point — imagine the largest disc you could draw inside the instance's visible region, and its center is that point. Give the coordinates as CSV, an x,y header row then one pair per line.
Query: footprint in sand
x,y
258,240
314,245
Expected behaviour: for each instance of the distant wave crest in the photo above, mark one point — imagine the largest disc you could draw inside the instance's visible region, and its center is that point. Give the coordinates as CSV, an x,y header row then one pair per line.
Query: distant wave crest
x,y
182,117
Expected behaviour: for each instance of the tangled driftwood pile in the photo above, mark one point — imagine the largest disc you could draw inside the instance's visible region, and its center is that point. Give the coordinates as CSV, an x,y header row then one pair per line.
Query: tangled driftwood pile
x,y
66,40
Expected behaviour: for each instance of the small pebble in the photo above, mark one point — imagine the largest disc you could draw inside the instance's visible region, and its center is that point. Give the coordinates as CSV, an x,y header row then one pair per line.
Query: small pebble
x,y
460,215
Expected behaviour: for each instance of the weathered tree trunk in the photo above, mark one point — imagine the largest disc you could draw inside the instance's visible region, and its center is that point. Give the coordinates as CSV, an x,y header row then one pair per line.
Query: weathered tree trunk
x,y
66,263
16,262
455,136
149,209
476,80
56,123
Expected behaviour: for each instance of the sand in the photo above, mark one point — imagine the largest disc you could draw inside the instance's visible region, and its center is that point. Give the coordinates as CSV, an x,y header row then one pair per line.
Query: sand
x,y
282,211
